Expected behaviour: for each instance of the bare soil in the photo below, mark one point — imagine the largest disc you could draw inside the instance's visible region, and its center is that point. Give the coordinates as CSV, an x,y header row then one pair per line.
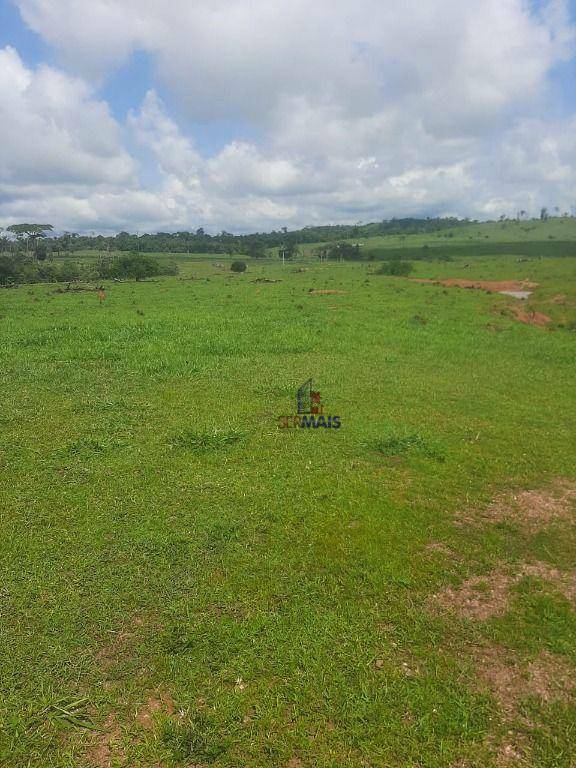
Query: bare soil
x,y
491,286
483,597
531,510
530,317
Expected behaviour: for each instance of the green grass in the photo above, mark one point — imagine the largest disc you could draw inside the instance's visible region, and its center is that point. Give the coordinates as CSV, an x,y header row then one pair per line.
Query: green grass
x,y
161,534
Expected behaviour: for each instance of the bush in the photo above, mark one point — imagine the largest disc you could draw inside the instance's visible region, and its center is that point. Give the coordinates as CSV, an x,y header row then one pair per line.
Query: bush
x,y
171,268
397,268
132,266
9,271
69,271
238,266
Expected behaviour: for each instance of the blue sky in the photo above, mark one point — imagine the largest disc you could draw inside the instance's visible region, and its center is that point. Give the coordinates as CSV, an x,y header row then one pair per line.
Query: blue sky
x,y
251,114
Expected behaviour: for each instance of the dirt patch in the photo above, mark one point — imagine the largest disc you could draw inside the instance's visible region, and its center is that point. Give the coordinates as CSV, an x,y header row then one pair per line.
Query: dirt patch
x,y
483,597
111,654
160,703
122,643
532,510
564,582
511,753
442,549
530,317
480,597
560,299
326,292
107,749
513,682
491,286
547,677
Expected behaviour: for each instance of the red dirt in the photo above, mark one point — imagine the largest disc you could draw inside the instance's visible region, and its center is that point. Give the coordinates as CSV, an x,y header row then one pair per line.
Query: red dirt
x,y
492,286
531,317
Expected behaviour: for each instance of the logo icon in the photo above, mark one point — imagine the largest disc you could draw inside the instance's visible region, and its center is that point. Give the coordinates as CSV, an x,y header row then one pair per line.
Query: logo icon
x,y
309,401
310,411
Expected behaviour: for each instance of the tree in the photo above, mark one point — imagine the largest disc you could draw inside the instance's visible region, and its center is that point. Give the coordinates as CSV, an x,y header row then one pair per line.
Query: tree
x,y
8,269
27,232
40,251
256,249
543,214
69,271
287,251
344,252
4,241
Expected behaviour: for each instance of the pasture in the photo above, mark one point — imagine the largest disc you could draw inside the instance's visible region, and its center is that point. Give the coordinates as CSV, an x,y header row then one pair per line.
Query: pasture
x,y
185,584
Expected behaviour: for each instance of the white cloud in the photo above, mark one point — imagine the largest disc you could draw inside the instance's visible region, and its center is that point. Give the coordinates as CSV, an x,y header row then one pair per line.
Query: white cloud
x,y
363,109
53,132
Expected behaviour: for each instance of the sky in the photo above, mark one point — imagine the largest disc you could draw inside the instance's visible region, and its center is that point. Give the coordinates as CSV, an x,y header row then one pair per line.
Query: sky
x,y
251,115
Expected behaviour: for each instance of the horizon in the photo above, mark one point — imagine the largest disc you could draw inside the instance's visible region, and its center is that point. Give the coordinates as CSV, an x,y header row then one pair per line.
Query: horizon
x,y
55,232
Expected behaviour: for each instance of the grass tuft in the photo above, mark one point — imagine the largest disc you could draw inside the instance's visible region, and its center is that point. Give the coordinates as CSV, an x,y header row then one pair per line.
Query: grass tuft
x,y
400,445
204,442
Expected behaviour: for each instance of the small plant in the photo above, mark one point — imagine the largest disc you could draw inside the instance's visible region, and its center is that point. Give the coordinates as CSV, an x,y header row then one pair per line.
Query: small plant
x,y
204,442
68,711
399,445
238,266
198,740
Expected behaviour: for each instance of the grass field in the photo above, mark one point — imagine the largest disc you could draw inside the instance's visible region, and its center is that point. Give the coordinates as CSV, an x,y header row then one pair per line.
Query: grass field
x,y
185,584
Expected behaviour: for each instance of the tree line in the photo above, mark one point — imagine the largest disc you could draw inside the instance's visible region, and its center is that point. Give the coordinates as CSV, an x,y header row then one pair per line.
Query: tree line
x,y
40,240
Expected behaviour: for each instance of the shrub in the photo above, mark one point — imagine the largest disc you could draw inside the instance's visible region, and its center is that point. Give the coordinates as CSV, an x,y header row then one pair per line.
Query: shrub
x,y
131,266
397,268
238,266
9,271
171,268
69,271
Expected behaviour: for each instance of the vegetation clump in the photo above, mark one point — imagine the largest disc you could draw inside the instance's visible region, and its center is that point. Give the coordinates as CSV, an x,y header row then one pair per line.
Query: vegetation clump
x,y
134,266
396,268
238,266
204,441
